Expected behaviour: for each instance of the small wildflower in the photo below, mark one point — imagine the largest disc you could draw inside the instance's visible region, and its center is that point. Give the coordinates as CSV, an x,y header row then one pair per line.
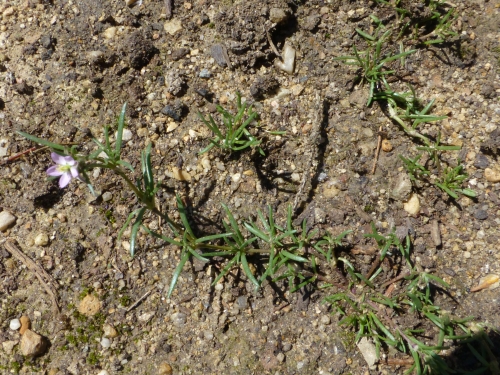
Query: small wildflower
x,y
66,167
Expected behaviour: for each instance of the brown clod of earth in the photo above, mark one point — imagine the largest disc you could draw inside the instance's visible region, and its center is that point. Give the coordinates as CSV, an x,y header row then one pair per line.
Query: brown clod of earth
x,y
90,305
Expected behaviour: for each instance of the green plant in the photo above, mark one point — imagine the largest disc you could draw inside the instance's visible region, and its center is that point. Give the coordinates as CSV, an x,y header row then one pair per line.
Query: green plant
x,y
452,180
372,62
415,170
235,136
387,242
372,313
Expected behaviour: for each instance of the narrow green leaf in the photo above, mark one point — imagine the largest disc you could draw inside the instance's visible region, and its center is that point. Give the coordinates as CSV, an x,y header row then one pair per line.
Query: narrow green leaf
x,y
135,229
293,256
183,214
127,222
196,255
248,272
177,272
365,35
41,141
119,132
212,237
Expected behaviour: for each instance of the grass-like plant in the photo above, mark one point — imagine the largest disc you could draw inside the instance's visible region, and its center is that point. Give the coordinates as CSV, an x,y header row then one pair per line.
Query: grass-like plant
x,y
450,180
371,307
235,135
282,252
372,62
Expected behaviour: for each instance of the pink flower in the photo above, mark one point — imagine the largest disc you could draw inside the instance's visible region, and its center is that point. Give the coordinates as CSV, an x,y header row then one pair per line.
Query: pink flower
x,y
66,168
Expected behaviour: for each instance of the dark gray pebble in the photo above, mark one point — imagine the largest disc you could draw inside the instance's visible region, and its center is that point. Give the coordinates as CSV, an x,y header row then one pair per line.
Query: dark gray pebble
x,y
480,214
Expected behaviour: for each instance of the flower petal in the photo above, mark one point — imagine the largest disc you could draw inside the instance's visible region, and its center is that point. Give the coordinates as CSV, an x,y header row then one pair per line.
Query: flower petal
x,y
54,171
68,160
58,159
64,180
74,172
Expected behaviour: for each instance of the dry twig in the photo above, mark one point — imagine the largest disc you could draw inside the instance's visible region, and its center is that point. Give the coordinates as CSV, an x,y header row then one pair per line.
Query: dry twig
x,y
48,283
378,150
136,303
168,9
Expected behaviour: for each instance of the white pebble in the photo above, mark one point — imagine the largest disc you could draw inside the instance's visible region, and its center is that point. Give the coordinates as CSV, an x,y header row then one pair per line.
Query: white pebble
x,y
412,206
105,342
126,135
109,33
288,62
15,324
6,220
42,239
236,177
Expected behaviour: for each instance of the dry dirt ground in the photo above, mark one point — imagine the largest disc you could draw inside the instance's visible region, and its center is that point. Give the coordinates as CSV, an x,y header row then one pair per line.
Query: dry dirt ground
x,y
67,67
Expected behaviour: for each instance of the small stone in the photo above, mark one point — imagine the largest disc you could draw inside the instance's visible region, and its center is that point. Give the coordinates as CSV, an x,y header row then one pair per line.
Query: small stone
x,y
180,175
481,214
32,344
208,335
107,196
402,187
172,126
103,372
412,206
288,63
236,177
242,302
146,317
219,53
96,57
165,369
467,254
297,89
109,331
126,135
179,53
175,112
277,15
4,145
14,324
105,342
287,346
325,319
8,12
109,33
386,146
172,26
219,286
8,346
25,324
205,73
178,319
481,161
311,22
280,357
491,175
368,350
90,305
41,239
435,233
6,220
